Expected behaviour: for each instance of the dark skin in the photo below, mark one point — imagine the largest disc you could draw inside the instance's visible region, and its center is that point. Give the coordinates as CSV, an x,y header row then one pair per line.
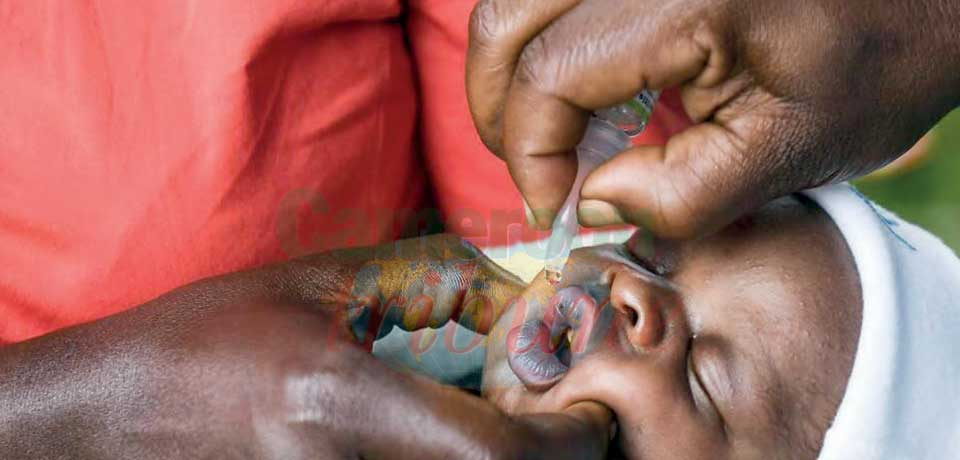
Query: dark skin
x,y
275,363
735,346
785,95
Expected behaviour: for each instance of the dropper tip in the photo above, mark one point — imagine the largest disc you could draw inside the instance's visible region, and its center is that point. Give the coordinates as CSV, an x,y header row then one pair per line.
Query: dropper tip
x,y
553,276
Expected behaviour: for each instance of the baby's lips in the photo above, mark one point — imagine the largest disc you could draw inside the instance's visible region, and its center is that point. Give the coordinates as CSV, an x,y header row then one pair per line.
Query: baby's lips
x,y
532,357
580,313
532,350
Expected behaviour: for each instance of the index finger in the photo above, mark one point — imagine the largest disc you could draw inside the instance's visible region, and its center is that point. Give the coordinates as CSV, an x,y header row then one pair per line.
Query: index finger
x,y
593,57
499,30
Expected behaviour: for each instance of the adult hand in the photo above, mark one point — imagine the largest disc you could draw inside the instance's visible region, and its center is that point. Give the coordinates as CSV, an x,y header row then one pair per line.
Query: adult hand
x,y
270,363
785,95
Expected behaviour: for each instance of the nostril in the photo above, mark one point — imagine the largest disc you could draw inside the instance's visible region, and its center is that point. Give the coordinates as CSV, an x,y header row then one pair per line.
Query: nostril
x,y
632,317
644,320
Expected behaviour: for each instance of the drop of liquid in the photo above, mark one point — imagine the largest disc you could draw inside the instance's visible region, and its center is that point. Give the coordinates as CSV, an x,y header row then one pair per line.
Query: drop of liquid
x,y
553,276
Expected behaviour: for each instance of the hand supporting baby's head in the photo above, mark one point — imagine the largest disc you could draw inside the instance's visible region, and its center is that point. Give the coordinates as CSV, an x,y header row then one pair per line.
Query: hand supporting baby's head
x,y
734,346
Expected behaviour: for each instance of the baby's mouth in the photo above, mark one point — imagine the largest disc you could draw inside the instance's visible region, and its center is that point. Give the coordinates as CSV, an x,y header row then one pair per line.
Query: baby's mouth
x,y
538,360
540,350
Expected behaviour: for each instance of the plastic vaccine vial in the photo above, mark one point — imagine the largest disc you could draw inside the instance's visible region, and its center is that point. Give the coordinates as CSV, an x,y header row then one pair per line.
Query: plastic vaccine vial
x,y
608,134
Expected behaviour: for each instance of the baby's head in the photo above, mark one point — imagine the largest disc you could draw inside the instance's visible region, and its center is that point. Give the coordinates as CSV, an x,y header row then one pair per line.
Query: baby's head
x,y
738,345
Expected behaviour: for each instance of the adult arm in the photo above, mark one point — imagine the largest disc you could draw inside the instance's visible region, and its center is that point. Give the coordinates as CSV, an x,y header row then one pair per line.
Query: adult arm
x,y
271,363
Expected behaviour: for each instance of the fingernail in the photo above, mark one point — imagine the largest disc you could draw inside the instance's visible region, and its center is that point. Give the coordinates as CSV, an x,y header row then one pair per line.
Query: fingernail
x,y
531,219
597,213
539,218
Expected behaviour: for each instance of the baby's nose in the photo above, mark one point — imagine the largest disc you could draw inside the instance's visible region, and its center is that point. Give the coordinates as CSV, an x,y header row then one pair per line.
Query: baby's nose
x,y
644,307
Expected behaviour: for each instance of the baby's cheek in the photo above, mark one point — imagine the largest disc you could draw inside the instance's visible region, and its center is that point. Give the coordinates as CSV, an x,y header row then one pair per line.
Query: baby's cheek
x,y
660,429
513,400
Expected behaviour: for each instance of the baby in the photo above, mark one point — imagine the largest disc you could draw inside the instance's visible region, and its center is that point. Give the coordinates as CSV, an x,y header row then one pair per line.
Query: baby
x,y
819,326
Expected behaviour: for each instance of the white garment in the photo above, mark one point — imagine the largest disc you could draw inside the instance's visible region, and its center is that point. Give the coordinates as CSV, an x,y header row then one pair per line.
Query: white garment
x,y
903,397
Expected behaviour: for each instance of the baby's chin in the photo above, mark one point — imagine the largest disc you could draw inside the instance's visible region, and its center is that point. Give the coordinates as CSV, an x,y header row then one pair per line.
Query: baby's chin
x,y
499,383
497,376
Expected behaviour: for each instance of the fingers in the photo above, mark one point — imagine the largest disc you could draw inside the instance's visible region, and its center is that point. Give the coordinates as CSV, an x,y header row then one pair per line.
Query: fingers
x,y
596,56
499,30
590,58
593,414
597,418
703,178
595,213
580,431
701,102
590,435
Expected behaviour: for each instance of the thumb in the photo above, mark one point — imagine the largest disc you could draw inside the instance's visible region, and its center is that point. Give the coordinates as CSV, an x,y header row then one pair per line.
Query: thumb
x,y
595,416
703,179
582,431
597,429
582,62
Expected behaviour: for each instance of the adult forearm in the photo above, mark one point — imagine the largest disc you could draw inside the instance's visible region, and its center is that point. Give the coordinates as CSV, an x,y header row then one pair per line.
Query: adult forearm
x,y
193,374
137,379
113,388
388,414
48,388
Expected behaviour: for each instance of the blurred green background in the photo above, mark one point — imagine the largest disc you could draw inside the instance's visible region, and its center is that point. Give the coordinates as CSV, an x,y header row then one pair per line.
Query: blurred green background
x,y
927,193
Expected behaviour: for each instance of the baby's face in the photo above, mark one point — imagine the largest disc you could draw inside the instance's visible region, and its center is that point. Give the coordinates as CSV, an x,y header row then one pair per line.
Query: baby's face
x,y
740,347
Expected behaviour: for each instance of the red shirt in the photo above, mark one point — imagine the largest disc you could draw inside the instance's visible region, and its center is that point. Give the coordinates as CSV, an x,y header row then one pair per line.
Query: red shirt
x,y
145,145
